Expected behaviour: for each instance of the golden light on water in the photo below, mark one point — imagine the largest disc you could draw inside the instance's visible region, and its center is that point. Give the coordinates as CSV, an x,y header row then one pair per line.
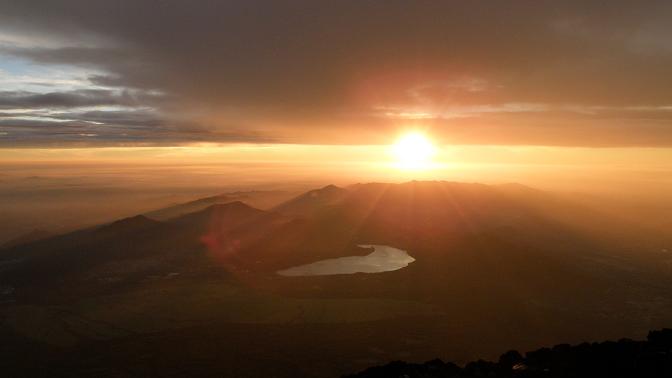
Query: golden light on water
x,y
413,151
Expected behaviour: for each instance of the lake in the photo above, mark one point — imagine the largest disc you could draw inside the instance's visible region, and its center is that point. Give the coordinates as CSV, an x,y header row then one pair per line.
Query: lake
x,y
383,259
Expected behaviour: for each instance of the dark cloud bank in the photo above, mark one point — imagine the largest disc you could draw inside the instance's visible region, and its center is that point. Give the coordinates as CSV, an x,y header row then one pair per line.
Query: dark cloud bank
x,y
507,72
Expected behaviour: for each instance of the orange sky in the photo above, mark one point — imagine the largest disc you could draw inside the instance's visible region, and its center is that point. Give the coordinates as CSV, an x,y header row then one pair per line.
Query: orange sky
x,y
546,167
561,94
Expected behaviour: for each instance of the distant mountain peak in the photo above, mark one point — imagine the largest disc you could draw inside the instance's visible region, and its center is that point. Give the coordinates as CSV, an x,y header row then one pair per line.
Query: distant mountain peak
x,y
331,187
329,190
232,211
260,199
188,207
136,222
235,205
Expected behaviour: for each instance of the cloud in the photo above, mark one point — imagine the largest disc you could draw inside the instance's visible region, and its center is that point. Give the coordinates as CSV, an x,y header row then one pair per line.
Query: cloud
x,y
63,133
321,72
71,99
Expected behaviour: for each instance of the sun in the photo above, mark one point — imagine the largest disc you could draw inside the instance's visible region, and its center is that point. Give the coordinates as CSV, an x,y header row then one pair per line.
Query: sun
x,y
413,150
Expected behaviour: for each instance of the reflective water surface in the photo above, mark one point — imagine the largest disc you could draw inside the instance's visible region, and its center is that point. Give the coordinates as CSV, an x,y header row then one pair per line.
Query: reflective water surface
x,y
383,259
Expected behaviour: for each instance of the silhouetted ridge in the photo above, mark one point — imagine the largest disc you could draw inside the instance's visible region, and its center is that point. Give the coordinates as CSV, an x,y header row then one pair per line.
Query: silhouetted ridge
x,y
231,208
137,222
330,188
624,358
214,199
187,207
226,215
262,199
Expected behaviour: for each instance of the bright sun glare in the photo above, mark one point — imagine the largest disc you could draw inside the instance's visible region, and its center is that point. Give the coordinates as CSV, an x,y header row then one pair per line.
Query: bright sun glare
x,y
413,151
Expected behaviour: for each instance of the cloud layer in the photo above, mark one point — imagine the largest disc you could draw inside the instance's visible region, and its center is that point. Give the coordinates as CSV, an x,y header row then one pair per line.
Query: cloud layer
x,y
173,72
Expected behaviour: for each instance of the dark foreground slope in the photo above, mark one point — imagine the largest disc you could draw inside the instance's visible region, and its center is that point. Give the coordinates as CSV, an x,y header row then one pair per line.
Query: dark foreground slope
x,y
624,358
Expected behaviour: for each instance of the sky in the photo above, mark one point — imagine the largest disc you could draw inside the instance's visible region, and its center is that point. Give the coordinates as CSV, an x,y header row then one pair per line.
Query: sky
x,y
169,73
549,86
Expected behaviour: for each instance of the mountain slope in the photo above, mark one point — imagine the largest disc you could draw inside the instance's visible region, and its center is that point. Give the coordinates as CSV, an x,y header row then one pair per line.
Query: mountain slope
x,y
134,248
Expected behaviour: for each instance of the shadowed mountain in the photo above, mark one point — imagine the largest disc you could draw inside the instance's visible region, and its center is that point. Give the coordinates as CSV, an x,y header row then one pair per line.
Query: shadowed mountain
x,y
135,248
66,256
93,235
